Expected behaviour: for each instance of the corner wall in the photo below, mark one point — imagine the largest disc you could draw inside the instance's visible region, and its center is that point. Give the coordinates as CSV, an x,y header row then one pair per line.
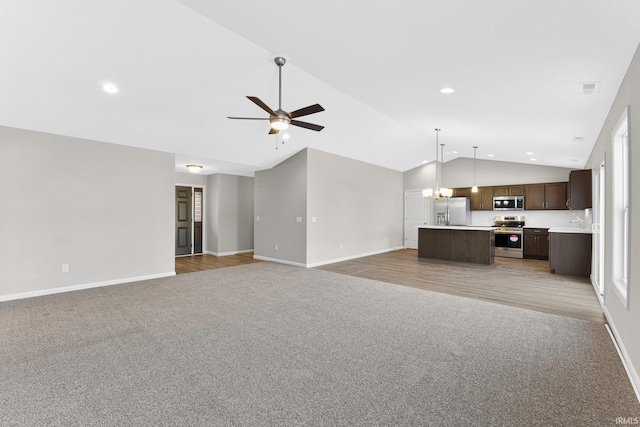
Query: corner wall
x,y
106,210
280,198
229,215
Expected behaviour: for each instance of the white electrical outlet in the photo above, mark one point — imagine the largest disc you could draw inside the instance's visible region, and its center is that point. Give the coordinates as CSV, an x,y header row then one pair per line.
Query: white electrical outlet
x,y
65,268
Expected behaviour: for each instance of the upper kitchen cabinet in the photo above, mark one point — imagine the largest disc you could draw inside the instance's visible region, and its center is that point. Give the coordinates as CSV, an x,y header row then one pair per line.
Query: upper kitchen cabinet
x,y
462,192
508,190
550,195
580,189
482,200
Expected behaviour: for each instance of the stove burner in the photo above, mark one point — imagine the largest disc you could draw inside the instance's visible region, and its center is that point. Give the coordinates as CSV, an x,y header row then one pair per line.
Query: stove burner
x,y
509,222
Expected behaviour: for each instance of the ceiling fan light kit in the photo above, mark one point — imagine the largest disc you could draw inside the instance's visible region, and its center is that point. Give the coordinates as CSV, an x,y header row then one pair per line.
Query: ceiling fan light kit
x,y
280,119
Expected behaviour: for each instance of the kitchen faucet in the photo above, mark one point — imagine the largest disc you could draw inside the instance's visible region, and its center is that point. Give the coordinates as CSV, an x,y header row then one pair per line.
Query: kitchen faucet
x,y
579,221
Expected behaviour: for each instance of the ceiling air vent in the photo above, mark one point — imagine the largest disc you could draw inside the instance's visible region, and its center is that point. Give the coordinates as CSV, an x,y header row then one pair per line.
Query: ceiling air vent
x,y
588,88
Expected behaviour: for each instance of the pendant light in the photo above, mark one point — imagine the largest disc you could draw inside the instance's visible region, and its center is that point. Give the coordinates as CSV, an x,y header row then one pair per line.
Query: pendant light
x,y
438,168
444,191
429,192
474,189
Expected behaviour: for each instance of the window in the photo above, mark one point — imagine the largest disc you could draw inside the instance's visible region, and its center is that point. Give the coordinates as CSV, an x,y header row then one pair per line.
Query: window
x,y
621,209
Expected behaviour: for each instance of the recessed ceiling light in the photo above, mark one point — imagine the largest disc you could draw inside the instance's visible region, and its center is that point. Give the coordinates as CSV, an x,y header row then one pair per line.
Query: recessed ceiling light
x,y
529,153
447,90
110,88
454,152
285,136
489,155
424,162
533,159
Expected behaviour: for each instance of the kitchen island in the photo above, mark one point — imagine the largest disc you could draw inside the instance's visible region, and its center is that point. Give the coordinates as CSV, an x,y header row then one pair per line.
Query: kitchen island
x,y
457,243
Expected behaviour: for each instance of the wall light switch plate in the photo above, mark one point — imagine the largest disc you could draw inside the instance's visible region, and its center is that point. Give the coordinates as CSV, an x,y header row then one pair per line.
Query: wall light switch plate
x,y
65,268
298,219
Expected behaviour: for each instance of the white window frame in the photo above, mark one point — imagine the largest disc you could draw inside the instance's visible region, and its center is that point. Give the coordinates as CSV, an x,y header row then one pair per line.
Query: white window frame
x,y
621,231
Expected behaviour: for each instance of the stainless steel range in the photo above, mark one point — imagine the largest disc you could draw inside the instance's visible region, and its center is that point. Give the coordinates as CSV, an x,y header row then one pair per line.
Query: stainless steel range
x,y
509,236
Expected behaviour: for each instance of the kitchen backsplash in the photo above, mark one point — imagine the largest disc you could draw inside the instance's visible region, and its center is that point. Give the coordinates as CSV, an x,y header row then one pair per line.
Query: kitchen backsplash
x,y
542,219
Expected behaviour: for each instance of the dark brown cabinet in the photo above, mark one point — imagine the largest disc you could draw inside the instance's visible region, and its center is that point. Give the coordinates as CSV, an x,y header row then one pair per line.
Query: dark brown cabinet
x,y
550,195
570,254
482,200
536,243
508,190
462,192
580,189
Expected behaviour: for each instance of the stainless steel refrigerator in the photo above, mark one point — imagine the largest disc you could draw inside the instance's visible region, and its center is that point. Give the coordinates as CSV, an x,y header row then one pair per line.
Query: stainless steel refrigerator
x,y
452,211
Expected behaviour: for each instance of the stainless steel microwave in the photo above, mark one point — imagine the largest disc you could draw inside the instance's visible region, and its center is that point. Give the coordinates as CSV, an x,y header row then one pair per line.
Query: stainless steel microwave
x,y
508,203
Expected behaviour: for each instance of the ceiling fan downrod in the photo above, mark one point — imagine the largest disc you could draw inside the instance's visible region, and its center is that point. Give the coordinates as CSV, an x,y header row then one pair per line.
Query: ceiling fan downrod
x,y
280,61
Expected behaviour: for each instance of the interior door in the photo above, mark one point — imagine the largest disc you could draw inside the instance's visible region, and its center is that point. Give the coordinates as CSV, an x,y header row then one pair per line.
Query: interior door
x,y
415,215
183,220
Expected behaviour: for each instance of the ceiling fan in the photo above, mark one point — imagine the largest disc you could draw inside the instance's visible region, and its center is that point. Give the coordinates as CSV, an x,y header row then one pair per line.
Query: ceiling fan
x,y
279,118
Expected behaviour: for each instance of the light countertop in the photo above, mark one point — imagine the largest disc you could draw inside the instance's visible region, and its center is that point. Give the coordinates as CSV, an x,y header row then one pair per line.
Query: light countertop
x,y
458,227
570,230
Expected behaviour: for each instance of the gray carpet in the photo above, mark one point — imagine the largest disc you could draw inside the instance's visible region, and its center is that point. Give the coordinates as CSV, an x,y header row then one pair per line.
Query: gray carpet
x,y
269,344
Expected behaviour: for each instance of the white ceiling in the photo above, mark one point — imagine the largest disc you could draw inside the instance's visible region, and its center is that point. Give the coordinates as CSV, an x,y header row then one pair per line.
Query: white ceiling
x,y
376,66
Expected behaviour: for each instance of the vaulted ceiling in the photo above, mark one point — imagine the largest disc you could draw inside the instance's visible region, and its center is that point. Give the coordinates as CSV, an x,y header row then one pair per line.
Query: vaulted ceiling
x,y
376,66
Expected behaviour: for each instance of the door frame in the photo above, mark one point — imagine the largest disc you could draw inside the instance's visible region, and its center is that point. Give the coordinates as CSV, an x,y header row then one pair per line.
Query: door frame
x,y
204,217
407,193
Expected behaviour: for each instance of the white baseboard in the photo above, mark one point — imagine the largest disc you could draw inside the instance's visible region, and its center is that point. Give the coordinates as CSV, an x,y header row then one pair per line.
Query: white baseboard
x,y
624,356
228,253
279,261
347,258
331,261
51,291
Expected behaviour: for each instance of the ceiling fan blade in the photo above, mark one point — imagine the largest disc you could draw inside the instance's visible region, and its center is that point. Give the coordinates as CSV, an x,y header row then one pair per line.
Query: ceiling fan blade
x,y
262,105
273,131
248,118
306,125
316,108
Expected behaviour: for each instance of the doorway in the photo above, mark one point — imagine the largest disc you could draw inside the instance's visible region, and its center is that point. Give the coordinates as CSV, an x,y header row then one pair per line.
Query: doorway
x,y
189,219
414,216
598,234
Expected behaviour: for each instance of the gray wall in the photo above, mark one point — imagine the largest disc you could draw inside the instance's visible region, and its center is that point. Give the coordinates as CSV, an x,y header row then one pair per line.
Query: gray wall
x,y
624,321
106,210
229,225
280,197
357,206
459,173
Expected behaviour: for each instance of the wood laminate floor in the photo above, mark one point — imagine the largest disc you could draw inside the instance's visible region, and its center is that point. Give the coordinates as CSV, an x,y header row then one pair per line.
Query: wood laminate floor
x,y
523,283
193,263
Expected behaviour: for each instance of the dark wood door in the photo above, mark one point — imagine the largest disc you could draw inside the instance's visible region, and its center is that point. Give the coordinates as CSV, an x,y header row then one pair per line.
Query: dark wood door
x,y
183,220
482,200
556,195
580,189
462,192
534,196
